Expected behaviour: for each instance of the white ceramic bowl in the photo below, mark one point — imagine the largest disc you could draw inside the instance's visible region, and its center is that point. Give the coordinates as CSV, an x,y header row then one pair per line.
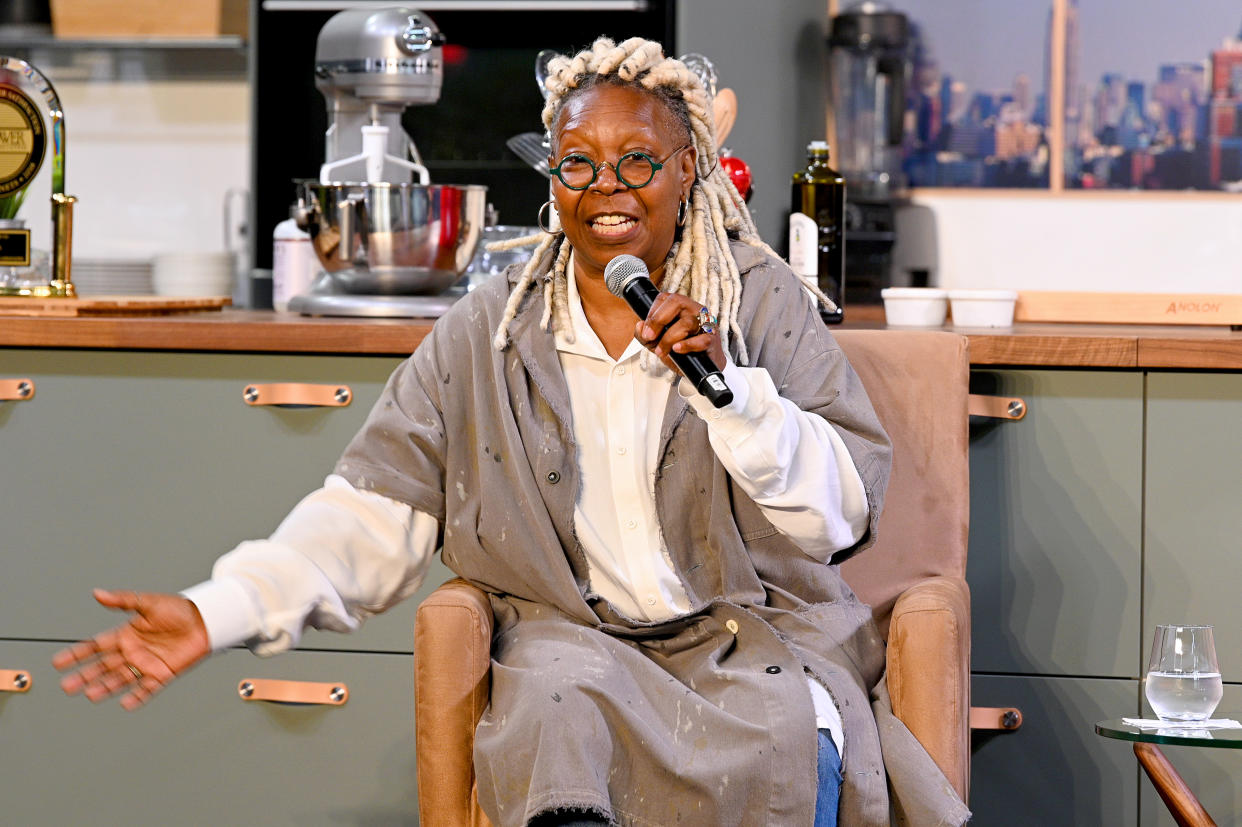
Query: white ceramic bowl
x,y
983,308
915,306
192,274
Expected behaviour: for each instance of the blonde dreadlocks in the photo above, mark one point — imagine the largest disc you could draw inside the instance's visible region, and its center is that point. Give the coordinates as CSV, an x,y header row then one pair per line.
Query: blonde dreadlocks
x,y
699,264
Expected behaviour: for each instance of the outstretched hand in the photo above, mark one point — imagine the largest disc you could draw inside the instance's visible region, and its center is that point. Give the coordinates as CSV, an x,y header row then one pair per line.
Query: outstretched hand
x,y
164,637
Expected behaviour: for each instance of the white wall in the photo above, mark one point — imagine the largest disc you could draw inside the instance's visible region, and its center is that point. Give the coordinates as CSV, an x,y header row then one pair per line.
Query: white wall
x,y
150,159
1116,242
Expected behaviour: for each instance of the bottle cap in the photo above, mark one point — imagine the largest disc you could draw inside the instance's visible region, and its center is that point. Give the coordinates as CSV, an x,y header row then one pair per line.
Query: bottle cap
x,y
817,149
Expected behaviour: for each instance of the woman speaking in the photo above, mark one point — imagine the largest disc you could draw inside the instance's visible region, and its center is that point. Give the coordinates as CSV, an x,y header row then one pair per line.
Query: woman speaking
x,y
663,571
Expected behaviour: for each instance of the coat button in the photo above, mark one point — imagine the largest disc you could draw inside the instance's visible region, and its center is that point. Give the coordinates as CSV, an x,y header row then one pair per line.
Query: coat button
x,y
773,670
554,477
732,626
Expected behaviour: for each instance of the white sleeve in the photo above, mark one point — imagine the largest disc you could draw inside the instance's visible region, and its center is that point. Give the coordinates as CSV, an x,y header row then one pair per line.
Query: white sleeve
x,y
340,556
792,463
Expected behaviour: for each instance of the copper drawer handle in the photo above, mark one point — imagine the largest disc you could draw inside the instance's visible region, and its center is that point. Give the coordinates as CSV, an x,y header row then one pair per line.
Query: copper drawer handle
x,y
297,393
995,717
293,692
997,407
15,680
17,389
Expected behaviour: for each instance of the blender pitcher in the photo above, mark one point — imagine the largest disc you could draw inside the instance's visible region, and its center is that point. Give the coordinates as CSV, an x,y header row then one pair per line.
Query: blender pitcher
x,y
869,46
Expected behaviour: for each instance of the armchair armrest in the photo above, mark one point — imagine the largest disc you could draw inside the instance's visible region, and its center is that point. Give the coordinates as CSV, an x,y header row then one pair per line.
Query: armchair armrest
x,y
452,664
931,690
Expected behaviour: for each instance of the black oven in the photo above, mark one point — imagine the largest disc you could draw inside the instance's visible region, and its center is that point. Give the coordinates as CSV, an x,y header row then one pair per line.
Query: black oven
x,y
488,95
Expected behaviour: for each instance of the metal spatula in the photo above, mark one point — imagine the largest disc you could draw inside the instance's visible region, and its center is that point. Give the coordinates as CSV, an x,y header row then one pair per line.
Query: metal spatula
x,y
532,148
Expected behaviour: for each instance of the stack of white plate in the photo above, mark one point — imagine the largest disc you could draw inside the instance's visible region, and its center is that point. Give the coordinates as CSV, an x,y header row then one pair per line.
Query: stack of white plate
x,y
111,277
193,274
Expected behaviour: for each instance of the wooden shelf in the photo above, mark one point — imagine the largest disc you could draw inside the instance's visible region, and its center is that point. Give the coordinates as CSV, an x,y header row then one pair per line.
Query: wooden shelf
x,y
220,43
1032,345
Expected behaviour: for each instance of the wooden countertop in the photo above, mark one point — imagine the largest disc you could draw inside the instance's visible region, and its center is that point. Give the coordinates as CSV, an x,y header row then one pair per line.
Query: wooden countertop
x,y
1046,345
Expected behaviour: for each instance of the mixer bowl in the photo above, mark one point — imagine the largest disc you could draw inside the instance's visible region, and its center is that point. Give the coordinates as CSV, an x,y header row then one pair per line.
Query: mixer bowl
x,y
393,239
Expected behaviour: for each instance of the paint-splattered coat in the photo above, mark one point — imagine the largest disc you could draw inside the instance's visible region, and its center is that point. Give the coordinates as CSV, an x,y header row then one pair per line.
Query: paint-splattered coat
x,y
679,722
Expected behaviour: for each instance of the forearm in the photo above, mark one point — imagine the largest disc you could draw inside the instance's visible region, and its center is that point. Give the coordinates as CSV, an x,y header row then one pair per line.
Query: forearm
x,y
340,556
792,463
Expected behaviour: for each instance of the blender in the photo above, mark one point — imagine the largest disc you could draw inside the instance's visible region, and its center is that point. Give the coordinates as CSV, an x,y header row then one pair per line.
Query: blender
x,y
870,64
391,243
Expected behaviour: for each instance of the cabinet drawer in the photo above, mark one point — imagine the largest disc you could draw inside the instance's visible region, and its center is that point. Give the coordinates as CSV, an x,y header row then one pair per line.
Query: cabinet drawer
x,y
1055,560
200,754
1054,769
137,470
1194,483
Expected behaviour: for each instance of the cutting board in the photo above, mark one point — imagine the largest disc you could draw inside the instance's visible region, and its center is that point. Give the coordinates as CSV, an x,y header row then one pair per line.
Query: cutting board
x,y
1129,308
110,305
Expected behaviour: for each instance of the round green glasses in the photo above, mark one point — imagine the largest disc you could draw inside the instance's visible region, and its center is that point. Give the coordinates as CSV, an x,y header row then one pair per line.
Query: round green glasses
x,y
633,169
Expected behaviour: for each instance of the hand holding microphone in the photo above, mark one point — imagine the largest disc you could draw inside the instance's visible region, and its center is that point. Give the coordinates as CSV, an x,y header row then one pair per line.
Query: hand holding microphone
x,y
627,277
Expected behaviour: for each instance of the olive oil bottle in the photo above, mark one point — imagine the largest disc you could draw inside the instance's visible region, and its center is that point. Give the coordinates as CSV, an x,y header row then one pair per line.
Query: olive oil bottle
x,y
817,228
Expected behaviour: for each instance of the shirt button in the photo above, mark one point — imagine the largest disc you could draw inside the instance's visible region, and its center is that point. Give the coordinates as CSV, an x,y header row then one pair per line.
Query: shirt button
x,y
620,370
651,601
631,524
554,477
731,625
773,670
716,415
621,450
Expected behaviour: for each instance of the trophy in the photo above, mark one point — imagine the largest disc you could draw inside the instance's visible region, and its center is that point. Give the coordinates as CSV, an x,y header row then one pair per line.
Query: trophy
x,y
30,118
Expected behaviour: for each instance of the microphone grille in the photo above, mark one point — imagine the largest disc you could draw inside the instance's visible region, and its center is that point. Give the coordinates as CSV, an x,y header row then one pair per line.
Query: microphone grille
x,y
621,270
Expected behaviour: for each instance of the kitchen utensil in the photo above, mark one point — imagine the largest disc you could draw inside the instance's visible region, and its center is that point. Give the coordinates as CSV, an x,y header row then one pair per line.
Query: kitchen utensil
x,y
390,247
487,263
724,112
533,148
704,68
393,239
541,70
1183,676
870,64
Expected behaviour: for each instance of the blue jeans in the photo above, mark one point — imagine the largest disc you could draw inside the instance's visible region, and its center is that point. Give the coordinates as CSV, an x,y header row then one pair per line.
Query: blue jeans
x,y
829,782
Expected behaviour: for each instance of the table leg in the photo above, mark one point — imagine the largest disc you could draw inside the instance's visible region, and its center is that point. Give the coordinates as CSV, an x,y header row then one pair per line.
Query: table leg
x,y
1182,803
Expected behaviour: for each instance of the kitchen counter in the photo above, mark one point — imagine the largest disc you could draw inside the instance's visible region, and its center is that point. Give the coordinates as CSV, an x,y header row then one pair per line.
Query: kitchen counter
x,y
1049,345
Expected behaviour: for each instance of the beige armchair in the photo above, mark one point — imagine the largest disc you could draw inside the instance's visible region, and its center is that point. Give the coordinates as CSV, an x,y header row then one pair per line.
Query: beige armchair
x,y
913,578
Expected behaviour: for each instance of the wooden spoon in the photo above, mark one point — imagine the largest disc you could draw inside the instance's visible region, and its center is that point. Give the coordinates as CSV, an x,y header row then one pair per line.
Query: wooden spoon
x,y
724,110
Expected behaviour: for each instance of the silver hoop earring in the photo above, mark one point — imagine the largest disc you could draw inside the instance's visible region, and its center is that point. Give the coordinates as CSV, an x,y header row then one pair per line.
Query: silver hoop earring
x,y
553,217
681,213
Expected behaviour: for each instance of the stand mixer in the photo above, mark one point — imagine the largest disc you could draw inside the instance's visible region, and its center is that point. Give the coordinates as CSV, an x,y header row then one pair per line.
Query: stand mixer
x,y
390,245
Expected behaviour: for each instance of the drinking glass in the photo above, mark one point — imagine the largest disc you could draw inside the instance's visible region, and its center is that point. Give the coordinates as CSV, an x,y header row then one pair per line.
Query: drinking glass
x,y
1183,676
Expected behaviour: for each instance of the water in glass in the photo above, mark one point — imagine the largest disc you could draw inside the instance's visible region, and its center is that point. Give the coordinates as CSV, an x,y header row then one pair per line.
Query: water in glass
x,y
1183,677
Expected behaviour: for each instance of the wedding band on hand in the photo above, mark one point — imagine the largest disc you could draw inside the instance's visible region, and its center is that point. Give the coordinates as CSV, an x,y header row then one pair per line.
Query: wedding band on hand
x,y
137,672
707,322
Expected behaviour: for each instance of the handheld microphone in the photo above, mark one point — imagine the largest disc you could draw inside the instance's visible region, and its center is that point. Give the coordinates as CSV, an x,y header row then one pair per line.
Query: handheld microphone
x,y
626,277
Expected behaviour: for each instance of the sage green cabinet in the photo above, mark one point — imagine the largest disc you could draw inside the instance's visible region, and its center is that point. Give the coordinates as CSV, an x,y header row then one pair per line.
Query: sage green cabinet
x,y
1113,506
137,470
1055,560
1054,769
199,754
1193,571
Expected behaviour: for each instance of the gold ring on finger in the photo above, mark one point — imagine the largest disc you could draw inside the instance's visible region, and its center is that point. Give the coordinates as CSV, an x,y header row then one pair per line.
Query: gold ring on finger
x,y
137,672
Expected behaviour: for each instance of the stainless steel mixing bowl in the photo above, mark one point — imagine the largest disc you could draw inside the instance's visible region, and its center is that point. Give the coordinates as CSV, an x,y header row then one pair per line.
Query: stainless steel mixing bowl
x,y
393,239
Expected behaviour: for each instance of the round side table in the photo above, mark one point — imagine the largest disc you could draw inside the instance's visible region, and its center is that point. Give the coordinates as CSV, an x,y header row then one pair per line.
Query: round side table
x,y
1183,804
